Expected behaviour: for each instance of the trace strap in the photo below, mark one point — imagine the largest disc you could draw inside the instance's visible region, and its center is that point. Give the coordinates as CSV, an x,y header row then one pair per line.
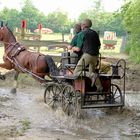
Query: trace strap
x,y
24,69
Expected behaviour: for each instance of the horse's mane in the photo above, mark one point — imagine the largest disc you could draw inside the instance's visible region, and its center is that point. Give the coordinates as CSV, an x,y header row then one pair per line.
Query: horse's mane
x,y
11,33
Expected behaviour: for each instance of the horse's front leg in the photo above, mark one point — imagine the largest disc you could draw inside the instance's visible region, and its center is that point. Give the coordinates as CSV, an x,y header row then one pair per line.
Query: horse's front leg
x,y
5,66
14,89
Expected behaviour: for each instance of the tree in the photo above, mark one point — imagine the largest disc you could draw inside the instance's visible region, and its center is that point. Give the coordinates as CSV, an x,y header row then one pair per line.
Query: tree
x,y
10,16
57,21
102,20
30,14
131,16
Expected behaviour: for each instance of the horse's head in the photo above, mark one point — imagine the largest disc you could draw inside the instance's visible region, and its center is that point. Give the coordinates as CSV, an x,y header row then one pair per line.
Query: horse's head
x,y
2,31
5,33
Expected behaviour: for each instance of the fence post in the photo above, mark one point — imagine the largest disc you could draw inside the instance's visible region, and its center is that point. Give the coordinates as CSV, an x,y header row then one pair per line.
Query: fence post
x,y
40,32
63,37
23,29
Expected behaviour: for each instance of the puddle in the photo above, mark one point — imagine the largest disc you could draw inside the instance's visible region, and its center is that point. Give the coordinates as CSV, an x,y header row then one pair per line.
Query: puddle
x,y
99,124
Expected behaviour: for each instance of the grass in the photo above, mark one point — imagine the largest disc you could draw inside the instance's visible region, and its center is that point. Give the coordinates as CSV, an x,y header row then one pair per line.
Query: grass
x,y
15,130
24,126
56,36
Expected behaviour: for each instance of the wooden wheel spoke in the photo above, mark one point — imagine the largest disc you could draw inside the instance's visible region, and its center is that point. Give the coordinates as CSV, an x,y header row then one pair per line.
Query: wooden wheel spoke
x,y
115,91
49,103
49,98
66,108
117,97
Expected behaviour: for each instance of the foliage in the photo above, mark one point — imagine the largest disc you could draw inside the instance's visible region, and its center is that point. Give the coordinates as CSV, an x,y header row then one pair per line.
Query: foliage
x,y
31,14
131,16
9,16
57,21
103,21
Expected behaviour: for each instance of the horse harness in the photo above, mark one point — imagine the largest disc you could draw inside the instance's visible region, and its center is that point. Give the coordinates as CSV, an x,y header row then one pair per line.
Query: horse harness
x,y
11,56
15,49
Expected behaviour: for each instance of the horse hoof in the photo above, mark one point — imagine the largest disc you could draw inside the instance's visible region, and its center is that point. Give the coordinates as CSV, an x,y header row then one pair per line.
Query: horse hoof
x,y
13,90
2,77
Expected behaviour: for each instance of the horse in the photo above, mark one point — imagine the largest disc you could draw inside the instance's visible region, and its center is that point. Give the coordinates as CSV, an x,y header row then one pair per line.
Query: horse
x,y
21,59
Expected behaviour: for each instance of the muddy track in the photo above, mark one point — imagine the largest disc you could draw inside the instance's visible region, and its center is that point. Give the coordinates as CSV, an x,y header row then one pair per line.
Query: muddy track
x,y
24,116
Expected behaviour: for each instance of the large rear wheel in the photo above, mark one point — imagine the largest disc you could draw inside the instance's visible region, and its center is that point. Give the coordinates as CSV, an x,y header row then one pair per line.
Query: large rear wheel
x,y
116,95
69,100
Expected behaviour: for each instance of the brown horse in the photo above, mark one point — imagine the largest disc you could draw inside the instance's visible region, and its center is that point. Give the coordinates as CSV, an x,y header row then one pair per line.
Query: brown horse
x,y
19,58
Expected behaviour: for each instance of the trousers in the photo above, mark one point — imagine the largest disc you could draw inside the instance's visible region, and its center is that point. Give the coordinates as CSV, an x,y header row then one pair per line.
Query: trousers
x,y
90,60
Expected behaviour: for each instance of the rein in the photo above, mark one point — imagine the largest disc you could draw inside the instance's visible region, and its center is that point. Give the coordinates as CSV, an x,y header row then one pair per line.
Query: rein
x,y
9,44
15,62
27,71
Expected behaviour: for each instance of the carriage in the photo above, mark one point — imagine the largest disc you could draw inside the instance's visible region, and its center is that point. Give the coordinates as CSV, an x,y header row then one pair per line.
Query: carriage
x,y
74,93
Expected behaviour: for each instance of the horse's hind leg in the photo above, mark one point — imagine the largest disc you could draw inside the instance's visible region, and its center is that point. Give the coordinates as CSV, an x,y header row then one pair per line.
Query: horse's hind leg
x,y
14,89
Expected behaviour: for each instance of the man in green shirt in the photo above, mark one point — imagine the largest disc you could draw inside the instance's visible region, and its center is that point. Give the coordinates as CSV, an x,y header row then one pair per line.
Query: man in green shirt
x,y
89,43
77,30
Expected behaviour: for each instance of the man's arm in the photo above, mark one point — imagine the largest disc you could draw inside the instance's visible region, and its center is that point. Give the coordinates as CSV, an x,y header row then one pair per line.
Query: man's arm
x,y
73,42
76,49
79,45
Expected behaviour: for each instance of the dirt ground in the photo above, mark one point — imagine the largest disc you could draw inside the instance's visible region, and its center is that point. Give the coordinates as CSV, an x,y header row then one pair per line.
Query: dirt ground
x,y
132,77
24,115
132,73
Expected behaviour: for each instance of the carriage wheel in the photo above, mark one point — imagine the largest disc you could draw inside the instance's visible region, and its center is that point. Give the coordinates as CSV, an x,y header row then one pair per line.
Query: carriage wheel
x,y
52,95
69,100
116,95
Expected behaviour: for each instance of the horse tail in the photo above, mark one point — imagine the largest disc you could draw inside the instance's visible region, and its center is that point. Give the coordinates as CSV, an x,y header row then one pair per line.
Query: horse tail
x,y
53,70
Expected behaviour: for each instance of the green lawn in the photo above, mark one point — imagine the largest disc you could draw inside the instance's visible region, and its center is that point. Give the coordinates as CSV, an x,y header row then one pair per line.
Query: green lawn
x,y
56,36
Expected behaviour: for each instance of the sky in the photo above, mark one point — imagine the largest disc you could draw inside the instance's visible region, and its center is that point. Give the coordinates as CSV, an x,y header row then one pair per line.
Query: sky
x,y
72,7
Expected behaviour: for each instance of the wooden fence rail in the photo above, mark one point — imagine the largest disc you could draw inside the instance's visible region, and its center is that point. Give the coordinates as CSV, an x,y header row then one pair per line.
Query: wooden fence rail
x,y
48,43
